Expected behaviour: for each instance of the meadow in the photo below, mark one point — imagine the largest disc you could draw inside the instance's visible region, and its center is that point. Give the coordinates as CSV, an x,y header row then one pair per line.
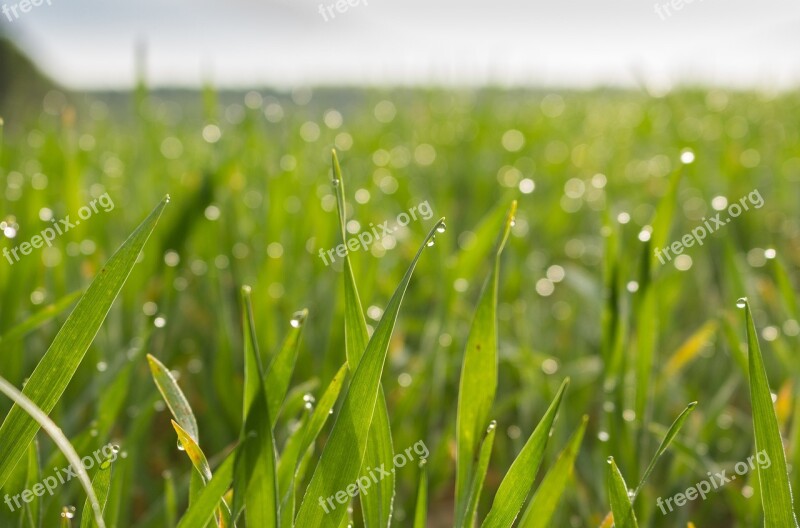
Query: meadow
x,y
539,302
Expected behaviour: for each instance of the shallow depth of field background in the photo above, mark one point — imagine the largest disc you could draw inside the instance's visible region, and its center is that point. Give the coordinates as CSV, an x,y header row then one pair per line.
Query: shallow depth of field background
x,y
249,176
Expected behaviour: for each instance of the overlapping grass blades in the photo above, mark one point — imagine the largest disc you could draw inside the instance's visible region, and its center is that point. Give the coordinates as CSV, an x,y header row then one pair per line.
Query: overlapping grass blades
x,y
377,504
344,451
42,420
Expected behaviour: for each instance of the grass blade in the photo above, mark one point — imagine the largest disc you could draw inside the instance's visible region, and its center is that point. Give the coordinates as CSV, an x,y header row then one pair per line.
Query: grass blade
x,y
467,518
256,463
671,434
173,396
38,415
621,506
39,318
776,492
517,483
543,504
421,509
344,452
299,443
101,484
377,504
55,370
281,368
479,371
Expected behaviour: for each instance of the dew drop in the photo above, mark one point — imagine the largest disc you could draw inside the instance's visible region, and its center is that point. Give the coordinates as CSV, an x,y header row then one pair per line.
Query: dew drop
x,y
492,426
298,319
741,302
610,460
309,406
335,182
180,446
431,241
692,405
167,198
513,222
441,228
68,512
308,398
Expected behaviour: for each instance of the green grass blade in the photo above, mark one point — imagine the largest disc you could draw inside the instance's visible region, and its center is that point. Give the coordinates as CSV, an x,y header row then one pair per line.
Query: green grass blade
x,y
174,398
299,443
421,509
281,368
377,503
202,510
256,464
344,452
776,492
673,431
102,485
621,507
55,370
466,517
34,474
41,419
544,502
478,382
39,318
517,483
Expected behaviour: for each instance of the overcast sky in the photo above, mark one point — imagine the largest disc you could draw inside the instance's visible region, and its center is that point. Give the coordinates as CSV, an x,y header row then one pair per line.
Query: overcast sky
x,y
91,43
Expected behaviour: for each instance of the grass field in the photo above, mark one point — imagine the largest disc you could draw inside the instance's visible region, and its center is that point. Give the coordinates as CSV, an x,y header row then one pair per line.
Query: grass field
x,y
599,179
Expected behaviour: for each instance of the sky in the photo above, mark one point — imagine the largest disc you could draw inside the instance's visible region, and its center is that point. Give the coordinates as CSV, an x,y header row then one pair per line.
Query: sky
x,y
282,43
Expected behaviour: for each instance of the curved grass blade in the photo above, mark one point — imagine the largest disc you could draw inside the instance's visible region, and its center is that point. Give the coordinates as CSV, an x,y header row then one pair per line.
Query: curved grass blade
x,y
39,318
621,506
421,509
35,413
55,370
174,398
201,511
544,502
344,452
776,492
517,483
671,434
689,349
467,515
101,484
478,382
377,504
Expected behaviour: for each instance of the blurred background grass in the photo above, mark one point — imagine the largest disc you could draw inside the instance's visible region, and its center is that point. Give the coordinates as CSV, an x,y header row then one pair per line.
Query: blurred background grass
x,y
249,177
